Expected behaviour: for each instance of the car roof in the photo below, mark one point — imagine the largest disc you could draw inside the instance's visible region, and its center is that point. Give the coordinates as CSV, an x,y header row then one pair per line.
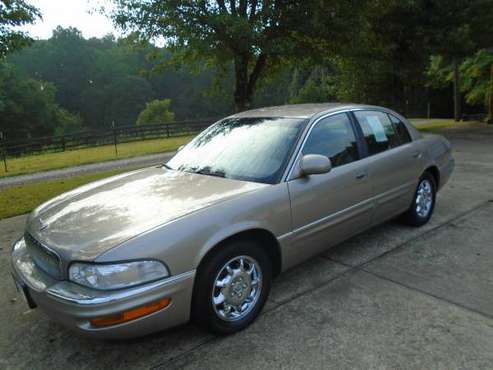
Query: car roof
x,y
295,110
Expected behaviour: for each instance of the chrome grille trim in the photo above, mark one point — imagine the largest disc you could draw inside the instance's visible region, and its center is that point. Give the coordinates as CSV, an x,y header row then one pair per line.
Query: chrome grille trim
x,y
43,257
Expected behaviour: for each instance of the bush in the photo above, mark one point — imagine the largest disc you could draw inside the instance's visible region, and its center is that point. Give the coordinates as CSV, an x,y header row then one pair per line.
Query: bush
x,y
156,112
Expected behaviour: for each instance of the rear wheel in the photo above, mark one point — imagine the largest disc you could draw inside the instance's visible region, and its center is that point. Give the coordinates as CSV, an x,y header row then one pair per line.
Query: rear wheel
x,y
231,288
423,203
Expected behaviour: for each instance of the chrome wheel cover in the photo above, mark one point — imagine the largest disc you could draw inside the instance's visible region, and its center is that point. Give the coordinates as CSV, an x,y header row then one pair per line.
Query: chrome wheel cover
x,y
237,288
424,198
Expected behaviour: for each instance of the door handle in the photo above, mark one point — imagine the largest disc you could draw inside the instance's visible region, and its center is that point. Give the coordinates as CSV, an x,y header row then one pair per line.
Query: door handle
x,y
417,155
361,175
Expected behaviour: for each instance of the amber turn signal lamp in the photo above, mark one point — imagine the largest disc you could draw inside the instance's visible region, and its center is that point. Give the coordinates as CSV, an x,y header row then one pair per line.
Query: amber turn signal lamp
x,y
131,314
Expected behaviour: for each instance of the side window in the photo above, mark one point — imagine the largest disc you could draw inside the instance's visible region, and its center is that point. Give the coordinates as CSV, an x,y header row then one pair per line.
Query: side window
x,y
378,131
401,129
333,137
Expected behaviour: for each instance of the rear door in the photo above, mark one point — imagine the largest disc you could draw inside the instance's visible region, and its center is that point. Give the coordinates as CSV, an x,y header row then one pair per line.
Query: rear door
x,y
393,162
330,207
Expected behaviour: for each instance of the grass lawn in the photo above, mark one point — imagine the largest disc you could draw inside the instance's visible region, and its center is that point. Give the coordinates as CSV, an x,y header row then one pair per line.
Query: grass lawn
x,y
430,125
50,161
20,199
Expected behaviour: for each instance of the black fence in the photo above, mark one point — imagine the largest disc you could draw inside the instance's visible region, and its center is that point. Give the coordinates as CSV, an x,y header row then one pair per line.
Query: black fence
x,y
95,138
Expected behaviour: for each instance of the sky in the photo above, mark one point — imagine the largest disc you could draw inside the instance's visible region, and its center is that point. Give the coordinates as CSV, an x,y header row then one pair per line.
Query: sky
x,y
75,13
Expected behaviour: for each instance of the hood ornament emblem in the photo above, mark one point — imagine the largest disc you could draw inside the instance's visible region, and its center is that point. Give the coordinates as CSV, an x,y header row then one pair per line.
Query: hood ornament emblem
x,y
42,225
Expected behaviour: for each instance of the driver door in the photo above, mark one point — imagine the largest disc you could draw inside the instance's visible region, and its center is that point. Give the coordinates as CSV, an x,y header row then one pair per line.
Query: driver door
x,y
330,207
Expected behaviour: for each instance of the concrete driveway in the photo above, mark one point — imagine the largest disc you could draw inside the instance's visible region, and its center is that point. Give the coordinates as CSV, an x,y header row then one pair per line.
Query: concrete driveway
x,y
394,297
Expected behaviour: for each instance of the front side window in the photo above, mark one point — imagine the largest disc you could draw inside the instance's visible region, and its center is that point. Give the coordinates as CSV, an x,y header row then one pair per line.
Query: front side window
x,y
333,137
248,149
401,129
378,131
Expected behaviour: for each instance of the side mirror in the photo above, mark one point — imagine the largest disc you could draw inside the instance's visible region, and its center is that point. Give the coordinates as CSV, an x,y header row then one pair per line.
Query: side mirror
x,y
314,164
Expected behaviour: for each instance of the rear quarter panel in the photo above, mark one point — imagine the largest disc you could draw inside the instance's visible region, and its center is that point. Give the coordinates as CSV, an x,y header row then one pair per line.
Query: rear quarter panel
x,y
437,151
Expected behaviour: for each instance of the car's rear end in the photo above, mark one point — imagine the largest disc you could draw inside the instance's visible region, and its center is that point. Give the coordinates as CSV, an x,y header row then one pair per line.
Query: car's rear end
x,y
439,150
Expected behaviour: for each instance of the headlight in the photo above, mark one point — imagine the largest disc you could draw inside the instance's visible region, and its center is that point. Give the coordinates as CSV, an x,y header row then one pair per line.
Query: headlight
x,y
116,276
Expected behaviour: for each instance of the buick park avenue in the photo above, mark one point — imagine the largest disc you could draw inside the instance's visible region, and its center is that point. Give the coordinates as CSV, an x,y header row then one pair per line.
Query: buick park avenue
x,y
202,236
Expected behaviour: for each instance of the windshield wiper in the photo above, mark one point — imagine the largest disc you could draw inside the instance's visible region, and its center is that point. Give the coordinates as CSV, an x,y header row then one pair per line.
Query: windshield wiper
x,y
209,172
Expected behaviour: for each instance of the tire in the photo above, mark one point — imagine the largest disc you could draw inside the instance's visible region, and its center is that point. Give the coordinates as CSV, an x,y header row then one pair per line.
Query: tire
x,y
419,214
237,288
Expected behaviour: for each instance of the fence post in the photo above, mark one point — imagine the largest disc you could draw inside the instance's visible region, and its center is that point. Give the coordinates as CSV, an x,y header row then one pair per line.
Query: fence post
x,y
167,130
4,151
114,138
63,143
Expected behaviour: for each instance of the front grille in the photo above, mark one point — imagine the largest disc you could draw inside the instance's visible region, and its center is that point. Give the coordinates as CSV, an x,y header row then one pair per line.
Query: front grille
x,y
42,257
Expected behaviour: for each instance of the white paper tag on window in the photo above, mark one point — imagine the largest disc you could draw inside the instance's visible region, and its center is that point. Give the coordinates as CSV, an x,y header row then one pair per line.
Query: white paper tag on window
x,y
377,128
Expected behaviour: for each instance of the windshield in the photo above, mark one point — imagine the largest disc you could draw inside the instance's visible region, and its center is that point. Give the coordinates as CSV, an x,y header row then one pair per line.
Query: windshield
x,y
250,149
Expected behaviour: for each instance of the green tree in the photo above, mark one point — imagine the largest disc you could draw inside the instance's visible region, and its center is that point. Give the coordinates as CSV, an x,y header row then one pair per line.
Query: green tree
x,y
456,30
67,123
65,60
316,89
28,107
15,13
156,112
107,79
385,60
255,36
476,72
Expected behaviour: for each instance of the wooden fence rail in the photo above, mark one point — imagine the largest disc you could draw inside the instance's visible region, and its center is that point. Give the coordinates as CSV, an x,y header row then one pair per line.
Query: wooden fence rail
x,y
95,138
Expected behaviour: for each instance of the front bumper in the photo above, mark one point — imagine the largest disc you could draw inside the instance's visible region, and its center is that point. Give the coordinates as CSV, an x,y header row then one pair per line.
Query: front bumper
x,y
73,305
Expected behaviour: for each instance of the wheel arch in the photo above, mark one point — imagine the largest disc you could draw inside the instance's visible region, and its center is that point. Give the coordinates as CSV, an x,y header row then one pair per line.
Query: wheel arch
x,y
265,238
435,172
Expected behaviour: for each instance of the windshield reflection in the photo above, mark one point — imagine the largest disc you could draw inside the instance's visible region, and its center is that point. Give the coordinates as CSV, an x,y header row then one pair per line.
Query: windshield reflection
x,y
249,149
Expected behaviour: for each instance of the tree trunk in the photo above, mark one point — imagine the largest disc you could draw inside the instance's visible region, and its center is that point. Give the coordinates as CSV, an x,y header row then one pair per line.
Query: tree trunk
x,y
457,97
242,100
490,99
246,83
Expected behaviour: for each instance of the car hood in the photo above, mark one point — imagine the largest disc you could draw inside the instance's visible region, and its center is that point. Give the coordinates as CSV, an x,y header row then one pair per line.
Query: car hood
x,y
90,220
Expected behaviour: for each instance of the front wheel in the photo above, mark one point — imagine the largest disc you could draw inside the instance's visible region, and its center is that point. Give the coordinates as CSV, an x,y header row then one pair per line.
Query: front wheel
x,y
231,288
423,203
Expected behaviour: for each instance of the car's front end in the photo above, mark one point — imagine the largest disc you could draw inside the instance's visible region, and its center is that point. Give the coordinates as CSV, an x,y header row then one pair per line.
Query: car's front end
x,y
119,304
111,265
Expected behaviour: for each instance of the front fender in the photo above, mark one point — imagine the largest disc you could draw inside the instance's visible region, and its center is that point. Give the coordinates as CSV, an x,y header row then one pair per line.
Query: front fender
x,y
183,243
226,233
